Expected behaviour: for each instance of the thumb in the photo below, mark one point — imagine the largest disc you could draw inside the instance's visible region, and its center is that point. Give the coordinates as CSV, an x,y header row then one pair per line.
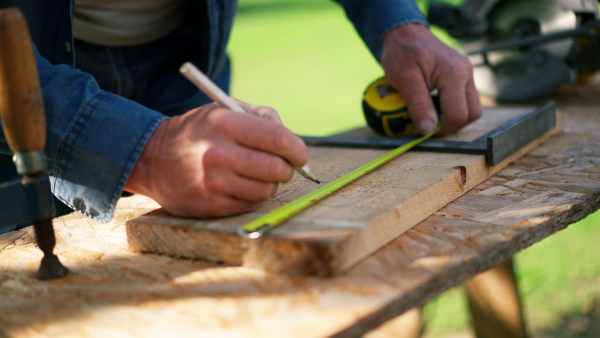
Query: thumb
x,y
265,112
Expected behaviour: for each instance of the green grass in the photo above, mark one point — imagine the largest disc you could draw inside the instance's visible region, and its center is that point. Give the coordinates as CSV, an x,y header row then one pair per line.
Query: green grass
x,y
303,58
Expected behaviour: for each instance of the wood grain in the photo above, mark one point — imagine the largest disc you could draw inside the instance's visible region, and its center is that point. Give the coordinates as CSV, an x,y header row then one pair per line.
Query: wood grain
x,y
347,226
113,291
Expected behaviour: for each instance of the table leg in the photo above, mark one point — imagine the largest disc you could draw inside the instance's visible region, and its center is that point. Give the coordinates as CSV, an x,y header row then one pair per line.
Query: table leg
x,y
407,325
495,304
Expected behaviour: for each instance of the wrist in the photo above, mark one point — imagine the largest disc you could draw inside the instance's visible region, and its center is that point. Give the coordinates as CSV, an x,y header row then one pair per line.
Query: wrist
x,y
405,32
138,181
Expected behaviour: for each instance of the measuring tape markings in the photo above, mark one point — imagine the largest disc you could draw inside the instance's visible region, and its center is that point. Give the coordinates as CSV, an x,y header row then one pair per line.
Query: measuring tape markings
x,y
261,225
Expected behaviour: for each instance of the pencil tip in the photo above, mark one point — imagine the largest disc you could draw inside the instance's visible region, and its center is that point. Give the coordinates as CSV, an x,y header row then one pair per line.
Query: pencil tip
x,y
317,181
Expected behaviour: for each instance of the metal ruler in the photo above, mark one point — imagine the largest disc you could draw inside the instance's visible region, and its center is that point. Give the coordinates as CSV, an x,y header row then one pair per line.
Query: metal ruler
x,y
259,226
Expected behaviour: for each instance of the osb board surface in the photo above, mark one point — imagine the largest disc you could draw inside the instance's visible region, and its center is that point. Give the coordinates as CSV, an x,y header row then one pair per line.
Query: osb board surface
x,y
115,292
342,229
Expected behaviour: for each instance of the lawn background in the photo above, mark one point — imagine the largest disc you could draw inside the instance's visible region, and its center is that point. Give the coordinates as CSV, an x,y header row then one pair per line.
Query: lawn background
x,y
304,58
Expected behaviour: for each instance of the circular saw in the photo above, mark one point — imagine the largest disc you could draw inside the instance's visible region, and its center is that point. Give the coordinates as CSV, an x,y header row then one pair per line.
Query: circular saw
x,y
522,49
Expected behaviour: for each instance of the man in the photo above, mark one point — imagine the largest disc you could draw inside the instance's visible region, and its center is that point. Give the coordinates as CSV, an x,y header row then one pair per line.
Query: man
x,y
193,157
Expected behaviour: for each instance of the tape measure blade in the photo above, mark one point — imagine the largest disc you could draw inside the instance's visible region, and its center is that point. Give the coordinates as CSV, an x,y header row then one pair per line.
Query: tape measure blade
x,y
280,215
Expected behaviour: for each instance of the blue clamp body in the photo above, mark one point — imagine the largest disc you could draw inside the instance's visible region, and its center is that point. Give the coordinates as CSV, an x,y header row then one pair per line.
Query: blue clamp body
x,y
26,202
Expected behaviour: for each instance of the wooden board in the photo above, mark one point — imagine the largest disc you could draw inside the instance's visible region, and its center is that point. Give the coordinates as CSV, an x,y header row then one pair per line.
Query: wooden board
x,y
341,230
114,292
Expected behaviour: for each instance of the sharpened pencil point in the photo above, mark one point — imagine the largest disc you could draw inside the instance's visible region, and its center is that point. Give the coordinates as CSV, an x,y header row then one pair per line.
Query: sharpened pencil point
x,y
305,171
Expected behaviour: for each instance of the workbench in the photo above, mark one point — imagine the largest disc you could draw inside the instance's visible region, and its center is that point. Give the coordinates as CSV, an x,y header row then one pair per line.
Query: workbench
x,y
113,291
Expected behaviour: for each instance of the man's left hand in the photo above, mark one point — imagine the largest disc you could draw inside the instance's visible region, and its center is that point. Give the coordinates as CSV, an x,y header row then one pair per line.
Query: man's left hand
x,y
415,63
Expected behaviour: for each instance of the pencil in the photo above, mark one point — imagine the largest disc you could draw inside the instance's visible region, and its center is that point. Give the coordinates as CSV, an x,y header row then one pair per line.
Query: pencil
x,y
214,92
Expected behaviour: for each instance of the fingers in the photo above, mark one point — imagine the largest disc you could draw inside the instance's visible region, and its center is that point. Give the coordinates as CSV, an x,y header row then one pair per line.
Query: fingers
x,y
453,104
415,62
263,135
458,97
418,101
270,137
212,162
459,100
221,187
262,166
229,184
240,188
473,102
235,160
260,111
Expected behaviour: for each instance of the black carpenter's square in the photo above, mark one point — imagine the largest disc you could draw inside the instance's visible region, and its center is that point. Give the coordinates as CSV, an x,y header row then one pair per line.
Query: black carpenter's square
x,y
496,145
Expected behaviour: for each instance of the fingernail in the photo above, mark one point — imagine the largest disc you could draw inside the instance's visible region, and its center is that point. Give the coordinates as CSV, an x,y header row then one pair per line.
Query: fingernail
x,y
426,126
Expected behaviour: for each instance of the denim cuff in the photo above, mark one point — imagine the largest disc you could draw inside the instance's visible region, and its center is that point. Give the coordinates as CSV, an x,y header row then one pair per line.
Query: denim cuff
x,y
94,139
373,19
99,152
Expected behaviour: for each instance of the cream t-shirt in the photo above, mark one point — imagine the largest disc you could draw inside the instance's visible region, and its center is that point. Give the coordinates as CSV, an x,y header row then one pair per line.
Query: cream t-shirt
x,y
119,23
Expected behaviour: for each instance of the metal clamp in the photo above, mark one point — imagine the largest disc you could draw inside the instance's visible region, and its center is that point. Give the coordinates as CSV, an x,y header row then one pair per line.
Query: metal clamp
x,y
30,162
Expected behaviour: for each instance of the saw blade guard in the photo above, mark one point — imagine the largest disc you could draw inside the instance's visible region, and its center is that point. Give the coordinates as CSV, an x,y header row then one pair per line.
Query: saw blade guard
x,y
522,49
521,74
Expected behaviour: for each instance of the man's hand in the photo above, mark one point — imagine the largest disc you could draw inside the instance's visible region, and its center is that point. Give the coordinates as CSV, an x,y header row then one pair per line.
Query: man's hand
x,y
213,162
415,63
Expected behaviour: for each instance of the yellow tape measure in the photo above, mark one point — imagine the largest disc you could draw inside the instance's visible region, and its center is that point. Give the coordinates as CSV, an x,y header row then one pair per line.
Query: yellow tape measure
x,y
259,226
386,111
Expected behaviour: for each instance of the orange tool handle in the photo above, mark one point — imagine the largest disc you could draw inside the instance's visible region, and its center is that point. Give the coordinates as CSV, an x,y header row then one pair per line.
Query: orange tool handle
x,y
21,104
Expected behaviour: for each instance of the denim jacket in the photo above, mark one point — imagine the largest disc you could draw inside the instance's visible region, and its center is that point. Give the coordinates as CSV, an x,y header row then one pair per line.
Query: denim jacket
x,y
95,137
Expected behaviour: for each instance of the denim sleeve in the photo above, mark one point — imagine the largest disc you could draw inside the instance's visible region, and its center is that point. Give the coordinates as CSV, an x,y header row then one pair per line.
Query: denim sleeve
x,y
94,138
374,18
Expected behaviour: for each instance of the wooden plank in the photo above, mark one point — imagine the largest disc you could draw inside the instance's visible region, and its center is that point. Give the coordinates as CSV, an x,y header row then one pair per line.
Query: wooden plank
x,y
341,230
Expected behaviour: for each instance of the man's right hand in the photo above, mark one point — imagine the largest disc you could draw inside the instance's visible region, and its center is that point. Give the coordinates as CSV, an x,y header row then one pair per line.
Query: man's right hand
x,y
214,162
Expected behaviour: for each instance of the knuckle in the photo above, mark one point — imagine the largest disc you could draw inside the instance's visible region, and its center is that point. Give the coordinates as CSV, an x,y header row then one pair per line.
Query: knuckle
x,y
458,117
281,140
266,111
269,110
275,168
214,157
419,107
287,174
279,170
460,68
408,76
457,69
454,123
215,185
219,120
